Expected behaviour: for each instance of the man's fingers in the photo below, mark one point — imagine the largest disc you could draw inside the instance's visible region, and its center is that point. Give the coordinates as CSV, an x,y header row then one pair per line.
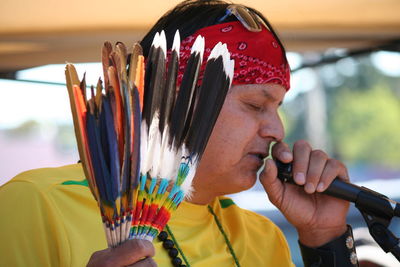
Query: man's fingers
x,y
132,251
272,185
127,254
333,169
301,158
317,163
148,262
281,151
99,258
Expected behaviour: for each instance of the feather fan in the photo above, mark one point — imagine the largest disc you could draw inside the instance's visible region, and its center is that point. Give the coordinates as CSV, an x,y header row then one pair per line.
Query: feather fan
x,y
140,137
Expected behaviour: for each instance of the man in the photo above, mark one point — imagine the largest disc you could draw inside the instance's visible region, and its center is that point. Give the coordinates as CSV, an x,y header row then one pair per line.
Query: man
x,y
208,229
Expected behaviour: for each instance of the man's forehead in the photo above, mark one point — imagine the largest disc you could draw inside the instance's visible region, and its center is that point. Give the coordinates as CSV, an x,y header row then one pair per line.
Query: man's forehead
x,y
271,91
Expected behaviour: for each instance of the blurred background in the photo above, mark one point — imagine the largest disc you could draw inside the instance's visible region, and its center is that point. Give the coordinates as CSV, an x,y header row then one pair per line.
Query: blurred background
x,y
345,95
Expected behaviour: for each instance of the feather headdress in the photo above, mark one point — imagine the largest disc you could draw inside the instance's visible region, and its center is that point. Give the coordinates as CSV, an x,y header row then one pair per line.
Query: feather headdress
x,y
140,138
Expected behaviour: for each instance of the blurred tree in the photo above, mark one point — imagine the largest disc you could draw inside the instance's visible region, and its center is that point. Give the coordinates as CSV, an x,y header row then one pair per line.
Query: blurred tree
x,y
293,117
364,126
363,111
29,128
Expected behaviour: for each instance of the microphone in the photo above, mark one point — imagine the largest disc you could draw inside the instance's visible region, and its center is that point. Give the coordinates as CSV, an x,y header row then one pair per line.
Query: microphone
x,y
365,199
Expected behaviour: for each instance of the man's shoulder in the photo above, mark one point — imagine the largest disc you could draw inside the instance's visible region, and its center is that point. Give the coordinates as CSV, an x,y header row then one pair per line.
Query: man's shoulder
x,y
52,218
46,178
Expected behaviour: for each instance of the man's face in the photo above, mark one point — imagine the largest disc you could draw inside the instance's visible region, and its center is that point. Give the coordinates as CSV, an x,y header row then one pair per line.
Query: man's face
x,y
245,128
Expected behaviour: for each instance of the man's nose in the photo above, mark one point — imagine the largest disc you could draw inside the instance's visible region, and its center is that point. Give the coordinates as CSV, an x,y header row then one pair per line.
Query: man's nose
x,y
271,127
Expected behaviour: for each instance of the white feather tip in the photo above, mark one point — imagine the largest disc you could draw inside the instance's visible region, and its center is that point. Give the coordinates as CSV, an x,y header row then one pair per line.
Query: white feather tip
x,y
177,42
163,42
198,46
156,40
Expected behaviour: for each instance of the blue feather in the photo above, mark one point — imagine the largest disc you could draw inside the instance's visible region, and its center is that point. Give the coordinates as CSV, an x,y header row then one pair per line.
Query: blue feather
x,y
111,144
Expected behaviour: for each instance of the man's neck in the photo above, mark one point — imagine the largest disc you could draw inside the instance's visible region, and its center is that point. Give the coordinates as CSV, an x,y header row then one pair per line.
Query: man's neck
x,y
201,198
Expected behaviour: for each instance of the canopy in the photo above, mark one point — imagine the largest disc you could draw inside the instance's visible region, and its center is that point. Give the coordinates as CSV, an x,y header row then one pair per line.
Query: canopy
x,y
41,32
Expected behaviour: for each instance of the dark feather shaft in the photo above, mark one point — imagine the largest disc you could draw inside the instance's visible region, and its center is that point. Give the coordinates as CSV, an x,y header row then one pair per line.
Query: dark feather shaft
x,y
157,83
168,97
181,109
212,93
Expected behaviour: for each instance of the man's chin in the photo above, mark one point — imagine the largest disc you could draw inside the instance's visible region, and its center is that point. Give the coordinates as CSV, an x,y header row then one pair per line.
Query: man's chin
x,y
243,184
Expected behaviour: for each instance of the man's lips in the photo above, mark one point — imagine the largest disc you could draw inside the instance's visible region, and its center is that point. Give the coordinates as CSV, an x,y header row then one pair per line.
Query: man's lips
x,y
258,157
260,154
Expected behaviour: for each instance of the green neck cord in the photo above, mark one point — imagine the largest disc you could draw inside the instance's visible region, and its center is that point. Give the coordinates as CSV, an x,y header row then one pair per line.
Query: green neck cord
x,y
221,229
225,236
177,245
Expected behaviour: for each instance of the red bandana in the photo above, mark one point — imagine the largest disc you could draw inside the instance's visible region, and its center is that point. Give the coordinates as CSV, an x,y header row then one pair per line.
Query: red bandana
x,y
258,56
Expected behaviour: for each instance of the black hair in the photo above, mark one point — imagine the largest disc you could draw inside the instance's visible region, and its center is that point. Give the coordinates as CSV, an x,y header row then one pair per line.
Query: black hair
x,y
192,15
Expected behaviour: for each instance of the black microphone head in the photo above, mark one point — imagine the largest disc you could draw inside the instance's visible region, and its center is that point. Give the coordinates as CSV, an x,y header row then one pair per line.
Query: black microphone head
x,y
284,171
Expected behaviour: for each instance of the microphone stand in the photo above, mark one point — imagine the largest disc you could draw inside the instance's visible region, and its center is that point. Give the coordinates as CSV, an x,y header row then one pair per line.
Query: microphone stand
x,y
377,209
378,221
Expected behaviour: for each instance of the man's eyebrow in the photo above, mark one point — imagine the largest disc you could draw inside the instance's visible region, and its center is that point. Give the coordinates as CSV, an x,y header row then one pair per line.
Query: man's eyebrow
x,y
270,96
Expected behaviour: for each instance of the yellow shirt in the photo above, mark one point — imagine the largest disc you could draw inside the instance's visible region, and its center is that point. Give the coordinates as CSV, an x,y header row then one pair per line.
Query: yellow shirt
x,y
49,218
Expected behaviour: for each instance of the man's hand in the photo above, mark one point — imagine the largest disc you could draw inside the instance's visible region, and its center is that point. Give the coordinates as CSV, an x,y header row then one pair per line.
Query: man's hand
x,y
134,253
318,218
